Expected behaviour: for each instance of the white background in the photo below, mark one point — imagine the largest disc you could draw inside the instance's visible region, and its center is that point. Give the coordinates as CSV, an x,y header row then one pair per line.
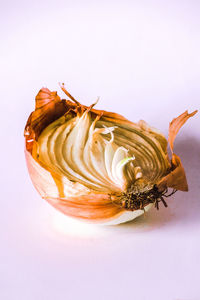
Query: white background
x,y
143,59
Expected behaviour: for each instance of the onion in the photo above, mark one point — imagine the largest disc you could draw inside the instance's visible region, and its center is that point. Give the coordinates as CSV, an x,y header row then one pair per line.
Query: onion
x,y
98,166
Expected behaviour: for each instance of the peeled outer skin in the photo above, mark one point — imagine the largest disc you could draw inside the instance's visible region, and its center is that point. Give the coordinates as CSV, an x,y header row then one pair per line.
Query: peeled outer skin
x,y
74,198
176,179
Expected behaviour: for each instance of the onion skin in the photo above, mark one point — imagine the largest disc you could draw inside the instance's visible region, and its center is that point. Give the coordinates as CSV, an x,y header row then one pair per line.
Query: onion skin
x,y
73,198
176,178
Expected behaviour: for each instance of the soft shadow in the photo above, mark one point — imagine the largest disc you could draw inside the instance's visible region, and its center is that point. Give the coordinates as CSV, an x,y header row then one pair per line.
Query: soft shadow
x,y
183,208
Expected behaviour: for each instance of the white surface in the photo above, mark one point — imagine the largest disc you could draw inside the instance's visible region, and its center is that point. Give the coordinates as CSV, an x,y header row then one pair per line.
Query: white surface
x,y
142,59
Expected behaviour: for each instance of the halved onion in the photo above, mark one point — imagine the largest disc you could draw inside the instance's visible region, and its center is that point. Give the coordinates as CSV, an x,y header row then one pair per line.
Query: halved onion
x,y
98,166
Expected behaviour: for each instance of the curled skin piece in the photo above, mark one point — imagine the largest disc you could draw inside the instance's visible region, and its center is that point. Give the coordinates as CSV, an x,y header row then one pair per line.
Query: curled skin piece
x,y
98,166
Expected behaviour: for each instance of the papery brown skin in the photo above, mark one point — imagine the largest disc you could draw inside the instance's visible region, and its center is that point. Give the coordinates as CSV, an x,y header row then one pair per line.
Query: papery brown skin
x,y
86,204
176,179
